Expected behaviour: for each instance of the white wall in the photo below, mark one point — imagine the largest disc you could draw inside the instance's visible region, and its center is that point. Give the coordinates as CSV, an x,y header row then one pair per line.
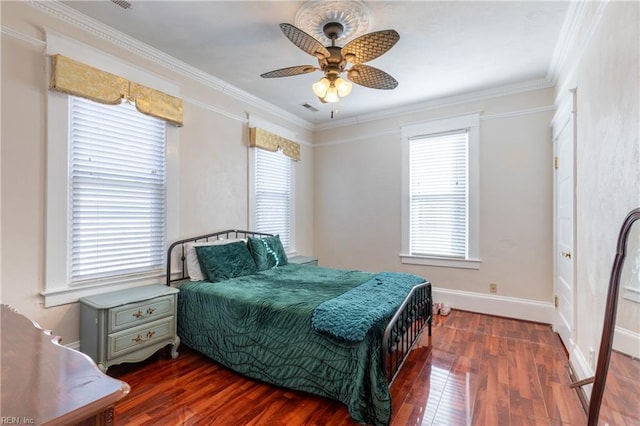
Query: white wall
x,y
357,199
212,157
603,64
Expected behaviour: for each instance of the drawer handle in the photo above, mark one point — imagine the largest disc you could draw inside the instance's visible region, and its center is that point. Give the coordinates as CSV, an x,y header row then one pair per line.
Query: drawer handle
x,y
139,338
138,314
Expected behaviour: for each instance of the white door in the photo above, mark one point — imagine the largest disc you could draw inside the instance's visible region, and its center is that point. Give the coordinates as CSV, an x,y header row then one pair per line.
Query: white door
x,y
563,138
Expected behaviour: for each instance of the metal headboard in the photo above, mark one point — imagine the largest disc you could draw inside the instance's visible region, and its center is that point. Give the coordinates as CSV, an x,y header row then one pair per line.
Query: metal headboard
x,y
228,234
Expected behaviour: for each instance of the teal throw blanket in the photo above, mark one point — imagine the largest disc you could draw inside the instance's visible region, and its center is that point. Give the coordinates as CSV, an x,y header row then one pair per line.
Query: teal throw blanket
x,y
349,317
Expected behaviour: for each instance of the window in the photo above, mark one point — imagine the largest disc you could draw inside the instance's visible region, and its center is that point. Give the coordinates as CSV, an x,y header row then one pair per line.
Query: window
x,y
440,181
74,269
438,194
272,195
66,280
117,191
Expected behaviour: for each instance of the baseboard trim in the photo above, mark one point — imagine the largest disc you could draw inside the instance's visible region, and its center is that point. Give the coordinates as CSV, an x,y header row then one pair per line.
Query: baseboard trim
x,y
581,368
582,396
510,307
627,342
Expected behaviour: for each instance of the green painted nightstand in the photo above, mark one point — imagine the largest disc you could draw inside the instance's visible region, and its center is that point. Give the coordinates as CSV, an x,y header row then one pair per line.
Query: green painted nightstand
x,y
128,325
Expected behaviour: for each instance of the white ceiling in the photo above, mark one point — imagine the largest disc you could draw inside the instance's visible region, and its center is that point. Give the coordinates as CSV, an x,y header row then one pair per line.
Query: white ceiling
x,y
446,48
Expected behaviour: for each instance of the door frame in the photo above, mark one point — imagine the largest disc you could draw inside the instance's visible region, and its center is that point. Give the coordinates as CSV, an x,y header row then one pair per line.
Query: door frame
x,y
565,119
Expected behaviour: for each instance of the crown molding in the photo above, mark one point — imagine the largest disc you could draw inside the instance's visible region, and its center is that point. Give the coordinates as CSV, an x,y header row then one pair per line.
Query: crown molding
x,y
584,23
438,103
23,37
568,31
578,12
573,19
114,37
580,15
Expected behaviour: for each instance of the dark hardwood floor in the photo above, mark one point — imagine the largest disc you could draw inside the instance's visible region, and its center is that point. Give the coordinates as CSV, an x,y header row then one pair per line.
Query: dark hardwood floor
x,y
475,370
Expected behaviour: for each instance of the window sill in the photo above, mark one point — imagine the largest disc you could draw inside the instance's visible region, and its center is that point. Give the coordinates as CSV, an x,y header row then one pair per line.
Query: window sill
x,y
440,261
71,294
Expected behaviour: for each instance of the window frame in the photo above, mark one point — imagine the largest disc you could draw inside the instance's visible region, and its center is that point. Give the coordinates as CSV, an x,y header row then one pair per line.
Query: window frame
x,y
57,290
472,123
291,249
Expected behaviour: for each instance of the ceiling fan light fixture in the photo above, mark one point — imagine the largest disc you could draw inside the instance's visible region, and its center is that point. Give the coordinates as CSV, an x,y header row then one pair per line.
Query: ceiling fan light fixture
x,y
343,86
331,89
337,22
332,94
321,87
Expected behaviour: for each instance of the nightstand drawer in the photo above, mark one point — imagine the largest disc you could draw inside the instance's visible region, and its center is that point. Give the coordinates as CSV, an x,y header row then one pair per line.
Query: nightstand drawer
x,y
136,338
135,314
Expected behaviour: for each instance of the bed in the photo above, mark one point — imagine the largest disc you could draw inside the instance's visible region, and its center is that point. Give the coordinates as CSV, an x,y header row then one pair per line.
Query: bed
x,y
342,334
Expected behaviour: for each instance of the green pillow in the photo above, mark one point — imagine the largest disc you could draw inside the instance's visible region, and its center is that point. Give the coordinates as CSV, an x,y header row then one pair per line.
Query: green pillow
x,y
267,252
221,262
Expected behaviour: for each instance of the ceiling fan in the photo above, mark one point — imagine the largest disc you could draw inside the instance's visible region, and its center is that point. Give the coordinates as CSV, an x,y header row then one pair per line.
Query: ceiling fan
x,y
333,60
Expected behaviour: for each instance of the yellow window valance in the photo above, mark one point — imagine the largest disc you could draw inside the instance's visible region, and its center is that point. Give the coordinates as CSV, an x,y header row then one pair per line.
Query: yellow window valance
x,y
78,79
262,139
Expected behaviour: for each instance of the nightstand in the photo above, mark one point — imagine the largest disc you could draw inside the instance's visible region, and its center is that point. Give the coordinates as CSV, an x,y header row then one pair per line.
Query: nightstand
x,y
304,260
128,325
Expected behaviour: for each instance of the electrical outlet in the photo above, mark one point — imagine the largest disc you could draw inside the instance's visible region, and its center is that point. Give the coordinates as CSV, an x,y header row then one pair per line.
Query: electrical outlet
x,y
493,287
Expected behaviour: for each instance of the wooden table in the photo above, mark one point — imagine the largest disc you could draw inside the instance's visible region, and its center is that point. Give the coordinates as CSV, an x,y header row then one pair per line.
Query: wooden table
x,y
45,383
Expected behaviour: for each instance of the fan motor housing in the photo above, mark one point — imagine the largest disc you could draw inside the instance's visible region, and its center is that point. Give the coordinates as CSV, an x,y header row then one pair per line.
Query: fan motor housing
x,y
335,61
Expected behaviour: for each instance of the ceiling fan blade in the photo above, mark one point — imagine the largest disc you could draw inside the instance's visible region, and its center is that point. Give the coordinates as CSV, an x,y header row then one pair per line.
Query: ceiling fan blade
x,y
367,76
369,46
290,71
304,41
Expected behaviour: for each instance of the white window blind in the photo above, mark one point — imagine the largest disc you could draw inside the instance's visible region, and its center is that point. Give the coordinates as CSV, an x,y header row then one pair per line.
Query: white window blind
x,y
439,194
273,195
118,190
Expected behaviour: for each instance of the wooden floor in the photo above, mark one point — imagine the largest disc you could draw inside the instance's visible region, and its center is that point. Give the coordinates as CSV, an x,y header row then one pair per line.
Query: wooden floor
x,y
621,399
474,370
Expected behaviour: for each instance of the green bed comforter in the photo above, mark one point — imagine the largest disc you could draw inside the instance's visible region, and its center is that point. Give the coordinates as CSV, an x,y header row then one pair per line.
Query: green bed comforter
x,y
260,326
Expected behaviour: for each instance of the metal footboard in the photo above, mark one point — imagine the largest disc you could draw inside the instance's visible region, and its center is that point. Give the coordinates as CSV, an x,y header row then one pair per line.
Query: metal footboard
x,y
404,329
